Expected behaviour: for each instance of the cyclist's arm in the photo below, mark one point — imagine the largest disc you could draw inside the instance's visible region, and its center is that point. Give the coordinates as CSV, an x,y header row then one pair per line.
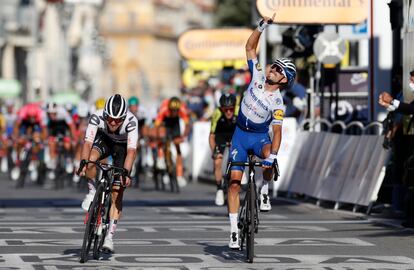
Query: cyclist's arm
x,y
183,114
212,141
214,120
253,40
90,135
132,143
251,45
277,122
129,159
277,138
42,118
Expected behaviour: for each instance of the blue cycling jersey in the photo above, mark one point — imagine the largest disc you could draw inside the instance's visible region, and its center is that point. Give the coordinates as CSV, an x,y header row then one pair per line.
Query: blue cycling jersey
x,y
259,108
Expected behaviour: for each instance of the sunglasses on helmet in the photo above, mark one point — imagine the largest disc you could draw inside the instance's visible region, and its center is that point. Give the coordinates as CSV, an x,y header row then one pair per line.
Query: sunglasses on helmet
x,y
278,69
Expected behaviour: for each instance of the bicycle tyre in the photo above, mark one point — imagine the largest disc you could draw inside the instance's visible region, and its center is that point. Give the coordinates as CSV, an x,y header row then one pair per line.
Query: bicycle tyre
x,y
24,167
89,234
251,199
171,169
99,239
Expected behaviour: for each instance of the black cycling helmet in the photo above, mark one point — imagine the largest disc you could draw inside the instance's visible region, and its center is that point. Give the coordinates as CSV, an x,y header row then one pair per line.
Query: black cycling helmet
x,y
227,100
115,107
174,104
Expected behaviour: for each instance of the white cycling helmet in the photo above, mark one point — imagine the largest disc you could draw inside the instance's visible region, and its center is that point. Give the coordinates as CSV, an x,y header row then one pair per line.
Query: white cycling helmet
x,y
115,107
51,107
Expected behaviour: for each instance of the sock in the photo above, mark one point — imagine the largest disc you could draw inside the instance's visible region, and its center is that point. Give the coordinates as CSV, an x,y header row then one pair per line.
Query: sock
x,y
112,228
265,187
91,186
218,184
233,222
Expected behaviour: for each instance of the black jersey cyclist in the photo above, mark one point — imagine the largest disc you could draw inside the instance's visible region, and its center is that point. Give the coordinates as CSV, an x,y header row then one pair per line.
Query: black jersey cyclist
x,y
223,124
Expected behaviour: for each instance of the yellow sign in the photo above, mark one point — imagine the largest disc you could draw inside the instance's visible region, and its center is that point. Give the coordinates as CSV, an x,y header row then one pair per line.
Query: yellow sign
x,y
315,11
214,44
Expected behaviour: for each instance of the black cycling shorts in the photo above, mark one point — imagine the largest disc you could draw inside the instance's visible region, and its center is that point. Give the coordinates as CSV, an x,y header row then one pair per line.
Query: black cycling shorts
x,y
107,147
222,140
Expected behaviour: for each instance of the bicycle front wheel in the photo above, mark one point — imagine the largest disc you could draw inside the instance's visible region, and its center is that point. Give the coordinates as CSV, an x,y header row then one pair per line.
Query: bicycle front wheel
x,y
251,204
90,228
100,238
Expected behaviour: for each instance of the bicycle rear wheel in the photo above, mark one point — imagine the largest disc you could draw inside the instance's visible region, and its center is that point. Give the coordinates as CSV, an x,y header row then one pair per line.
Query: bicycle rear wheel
x,y
251,203
90,228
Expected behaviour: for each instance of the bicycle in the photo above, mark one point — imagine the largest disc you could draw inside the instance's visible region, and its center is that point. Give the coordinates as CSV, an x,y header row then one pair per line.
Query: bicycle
x,y
248,214
97,217
60,171
28,153
170,165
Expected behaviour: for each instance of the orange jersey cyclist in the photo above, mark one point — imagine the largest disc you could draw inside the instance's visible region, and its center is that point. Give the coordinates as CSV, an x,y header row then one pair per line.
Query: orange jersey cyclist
x,y
169,115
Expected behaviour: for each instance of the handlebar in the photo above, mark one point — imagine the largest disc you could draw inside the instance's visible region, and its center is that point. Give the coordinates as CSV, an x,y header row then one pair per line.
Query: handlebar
x,y
104,167
275,166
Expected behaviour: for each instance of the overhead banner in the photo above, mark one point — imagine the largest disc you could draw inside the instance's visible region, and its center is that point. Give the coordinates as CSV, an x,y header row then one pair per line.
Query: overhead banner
x,y
214,44
315,11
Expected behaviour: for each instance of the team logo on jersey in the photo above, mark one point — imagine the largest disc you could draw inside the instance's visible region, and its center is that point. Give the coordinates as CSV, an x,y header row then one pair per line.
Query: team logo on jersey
x,y
94,120
131,126
278,115
258,67
260,86
278,101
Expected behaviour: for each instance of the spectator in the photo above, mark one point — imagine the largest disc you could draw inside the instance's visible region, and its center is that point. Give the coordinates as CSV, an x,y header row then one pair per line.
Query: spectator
x,y
402,147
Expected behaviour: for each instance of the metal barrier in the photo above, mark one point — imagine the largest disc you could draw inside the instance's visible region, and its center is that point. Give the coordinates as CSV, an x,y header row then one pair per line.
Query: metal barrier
x,y
321,122
337,166
372,125
341,124
355,125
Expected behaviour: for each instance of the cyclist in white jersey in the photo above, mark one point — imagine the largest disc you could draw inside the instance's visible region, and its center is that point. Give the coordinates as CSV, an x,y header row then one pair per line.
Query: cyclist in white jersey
x,y
112,131
261,107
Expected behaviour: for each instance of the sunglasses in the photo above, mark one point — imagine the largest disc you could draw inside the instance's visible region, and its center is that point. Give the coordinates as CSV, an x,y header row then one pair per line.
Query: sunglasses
x,y
228,109
278,69
116,120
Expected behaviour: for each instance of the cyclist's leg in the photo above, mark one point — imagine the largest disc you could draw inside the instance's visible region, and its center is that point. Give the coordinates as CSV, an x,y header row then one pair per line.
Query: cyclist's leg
x,y
218,174
262,150
161,134
238,153
118,152
99,151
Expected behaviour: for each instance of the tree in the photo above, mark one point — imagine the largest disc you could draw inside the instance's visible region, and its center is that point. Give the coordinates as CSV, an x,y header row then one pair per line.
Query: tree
x,y
233,13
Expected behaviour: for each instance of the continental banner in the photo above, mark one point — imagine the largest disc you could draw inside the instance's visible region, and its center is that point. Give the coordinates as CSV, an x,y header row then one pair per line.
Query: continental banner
x,y
315,11
214,44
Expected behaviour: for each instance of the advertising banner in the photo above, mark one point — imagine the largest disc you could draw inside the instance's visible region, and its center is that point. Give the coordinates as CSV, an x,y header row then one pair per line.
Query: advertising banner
x,y
315,11
214,44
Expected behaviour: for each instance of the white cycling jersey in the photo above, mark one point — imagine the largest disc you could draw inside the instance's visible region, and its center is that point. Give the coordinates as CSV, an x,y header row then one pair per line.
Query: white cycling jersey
x,y
62,115
126,133
259,108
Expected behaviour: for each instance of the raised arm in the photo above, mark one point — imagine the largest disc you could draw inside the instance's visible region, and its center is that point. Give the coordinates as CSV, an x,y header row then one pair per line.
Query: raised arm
x,y
253,40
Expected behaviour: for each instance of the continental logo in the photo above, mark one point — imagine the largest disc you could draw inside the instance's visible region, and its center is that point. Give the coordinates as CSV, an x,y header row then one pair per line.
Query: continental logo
x,y
258,67
278,115
309,11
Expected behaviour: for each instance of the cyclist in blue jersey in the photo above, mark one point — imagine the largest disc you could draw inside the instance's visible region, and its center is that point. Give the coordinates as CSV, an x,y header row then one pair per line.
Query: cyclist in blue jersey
x,y
261,107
